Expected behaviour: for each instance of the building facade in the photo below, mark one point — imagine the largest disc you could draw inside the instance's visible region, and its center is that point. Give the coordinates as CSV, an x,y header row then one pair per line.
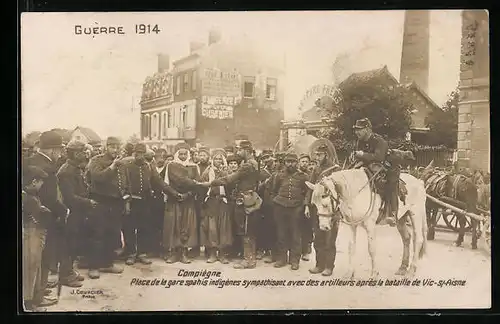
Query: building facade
x,y
474,105
213,94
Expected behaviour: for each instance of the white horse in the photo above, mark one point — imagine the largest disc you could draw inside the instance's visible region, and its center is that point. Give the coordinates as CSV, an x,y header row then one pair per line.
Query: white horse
x,y
348,195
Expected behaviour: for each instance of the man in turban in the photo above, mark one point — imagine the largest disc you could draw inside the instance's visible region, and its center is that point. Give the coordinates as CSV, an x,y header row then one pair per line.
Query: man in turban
x,y
180,231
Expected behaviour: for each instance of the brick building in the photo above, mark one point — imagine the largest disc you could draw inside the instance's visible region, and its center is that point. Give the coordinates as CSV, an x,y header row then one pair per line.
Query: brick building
x,y
218,91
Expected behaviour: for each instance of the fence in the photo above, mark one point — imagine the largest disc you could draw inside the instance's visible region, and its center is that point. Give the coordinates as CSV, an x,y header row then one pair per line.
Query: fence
x,y
441,158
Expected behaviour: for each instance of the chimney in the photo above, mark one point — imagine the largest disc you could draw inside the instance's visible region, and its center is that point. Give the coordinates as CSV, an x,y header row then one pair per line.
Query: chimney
x,y
163,63
415,52
194,46
214,36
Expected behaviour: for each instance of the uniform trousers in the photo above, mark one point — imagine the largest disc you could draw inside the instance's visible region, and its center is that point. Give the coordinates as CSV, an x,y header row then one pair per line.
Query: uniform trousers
x,y
266,239
247,226
157,218
137,227
307,234
325,246
104,229
74,242
392,189
289,232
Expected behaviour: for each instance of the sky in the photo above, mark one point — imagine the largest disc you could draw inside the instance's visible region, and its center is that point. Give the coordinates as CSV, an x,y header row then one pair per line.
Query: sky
x,y
70,80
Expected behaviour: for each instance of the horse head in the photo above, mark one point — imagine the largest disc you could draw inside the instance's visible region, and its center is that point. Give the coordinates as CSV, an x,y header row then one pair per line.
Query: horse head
x,y
326,203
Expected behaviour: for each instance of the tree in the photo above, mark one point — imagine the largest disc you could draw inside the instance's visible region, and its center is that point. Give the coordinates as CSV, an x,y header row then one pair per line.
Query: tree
x,y
443,123
387,107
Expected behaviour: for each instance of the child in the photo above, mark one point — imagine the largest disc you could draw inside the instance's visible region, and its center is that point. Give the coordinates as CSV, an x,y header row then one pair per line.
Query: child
x,y
34,232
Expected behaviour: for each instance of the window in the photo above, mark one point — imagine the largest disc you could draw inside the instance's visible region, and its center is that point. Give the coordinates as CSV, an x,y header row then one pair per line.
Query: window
x,y
178,85
193,80
170,119
154,126
145,126
184,116
185,83
163,123
248,87
271,89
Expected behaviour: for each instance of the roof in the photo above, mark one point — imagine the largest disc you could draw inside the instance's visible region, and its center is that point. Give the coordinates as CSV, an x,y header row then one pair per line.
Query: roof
x,y
89,133
415,86
186,58
369,75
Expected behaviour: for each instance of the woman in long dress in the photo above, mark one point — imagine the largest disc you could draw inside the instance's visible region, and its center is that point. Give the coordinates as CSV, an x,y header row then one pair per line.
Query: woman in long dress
x,y
216,229
180,225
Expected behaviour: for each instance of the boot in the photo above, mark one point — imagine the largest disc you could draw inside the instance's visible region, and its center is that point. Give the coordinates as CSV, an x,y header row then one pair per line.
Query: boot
x,y
143,259
212,256
317,269
47,301
130,260
268,258
194,252
173,256
327,272
184,256
94,274
249,261
112,269
280,263
259,255
71,282
295,265
223,256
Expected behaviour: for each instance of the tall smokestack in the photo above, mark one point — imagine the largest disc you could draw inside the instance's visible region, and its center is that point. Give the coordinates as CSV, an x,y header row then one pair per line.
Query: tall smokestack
x,y
415,53
194,46
163,63
213,36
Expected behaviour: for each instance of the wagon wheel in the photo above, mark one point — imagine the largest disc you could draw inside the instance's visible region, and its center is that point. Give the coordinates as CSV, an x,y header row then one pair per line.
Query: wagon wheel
x,y
452,222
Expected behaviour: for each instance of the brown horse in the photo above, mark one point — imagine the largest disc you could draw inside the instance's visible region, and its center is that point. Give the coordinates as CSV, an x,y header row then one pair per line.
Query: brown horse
x,y
457,189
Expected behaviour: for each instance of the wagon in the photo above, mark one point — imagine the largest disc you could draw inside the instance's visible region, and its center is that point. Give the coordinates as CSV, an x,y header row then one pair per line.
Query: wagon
x,y
451,214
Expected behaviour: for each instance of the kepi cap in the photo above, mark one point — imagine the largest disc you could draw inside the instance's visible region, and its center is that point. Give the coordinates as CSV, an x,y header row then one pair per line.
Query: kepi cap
x,y
362,123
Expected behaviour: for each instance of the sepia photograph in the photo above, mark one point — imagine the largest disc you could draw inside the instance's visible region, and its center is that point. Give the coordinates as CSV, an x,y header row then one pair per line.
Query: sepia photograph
x,y
255,160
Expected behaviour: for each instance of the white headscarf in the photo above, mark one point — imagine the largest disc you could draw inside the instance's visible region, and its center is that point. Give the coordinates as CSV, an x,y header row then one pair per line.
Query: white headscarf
x,y
184,163
211,176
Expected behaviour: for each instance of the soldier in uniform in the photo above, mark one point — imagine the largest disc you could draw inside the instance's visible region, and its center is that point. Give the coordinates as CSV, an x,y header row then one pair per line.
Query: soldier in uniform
x,y
267,234
289,192
246,178
107,188
142,181
50,146
371,151
307,227
75,194
233,163
324,242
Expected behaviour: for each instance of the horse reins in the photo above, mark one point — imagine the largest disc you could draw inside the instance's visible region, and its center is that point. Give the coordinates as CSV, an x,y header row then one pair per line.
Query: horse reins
x,y
337,201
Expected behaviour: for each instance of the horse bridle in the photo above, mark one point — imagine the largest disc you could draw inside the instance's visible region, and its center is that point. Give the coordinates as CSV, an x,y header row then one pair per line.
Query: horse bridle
x,y
334,201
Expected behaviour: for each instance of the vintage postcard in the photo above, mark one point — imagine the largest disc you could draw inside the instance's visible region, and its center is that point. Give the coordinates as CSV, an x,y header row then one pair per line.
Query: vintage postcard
x,y
312,160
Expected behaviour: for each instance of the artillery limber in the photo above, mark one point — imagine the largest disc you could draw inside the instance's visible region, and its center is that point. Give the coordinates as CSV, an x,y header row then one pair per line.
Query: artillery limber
x,y
454,198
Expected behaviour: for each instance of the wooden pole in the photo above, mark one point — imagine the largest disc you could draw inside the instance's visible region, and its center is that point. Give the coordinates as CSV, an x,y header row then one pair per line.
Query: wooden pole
x,y
455,209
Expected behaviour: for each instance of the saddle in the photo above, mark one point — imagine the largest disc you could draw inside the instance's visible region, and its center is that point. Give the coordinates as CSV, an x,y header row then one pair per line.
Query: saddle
x,y
377,178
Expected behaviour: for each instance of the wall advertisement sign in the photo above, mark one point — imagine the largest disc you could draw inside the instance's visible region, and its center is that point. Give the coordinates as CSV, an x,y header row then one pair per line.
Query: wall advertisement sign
x,y
217,111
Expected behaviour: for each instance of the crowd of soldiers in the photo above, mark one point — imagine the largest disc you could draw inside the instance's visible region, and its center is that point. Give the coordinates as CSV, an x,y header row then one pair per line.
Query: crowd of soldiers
x,y
134,203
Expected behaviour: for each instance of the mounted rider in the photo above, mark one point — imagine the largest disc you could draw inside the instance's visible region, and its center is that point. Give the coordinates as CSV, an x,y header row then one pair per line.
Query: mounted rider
x,y
372,151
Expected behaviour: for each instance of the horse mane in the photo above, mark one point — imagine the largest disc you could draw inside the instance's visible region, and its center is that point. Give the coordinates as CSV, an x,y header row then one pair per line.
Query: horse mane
x,y
340,180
